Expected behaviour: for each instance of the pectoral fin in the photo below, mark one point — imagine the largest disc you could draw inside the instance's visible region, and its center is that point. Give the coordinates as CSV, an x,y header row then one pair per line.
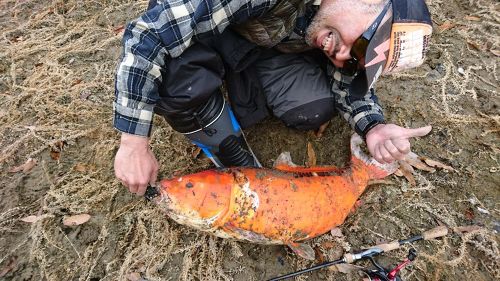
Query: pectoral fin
x,y
303,250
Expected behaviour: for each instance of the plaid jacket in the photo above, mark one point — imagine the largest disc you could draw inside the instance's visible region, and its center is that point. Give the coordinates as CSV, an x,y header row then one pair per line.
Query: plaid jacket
x,y
167,30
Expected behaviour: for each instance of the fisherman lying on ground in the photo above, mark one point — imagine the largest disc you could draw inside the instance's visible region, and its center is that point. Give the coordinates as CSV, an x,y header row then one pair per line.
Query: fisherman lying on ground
x,y
270,55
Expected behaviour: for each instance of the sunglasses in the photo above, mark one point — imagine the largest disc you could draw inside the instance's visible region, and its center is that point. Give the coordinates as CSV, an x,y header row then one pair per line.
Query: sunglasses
x,y
359,47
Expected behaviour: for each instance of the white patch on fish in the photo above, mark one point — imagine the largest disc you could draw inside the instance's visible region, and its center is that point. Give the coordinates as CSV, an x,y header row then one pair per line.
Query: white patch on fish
x,y
252,195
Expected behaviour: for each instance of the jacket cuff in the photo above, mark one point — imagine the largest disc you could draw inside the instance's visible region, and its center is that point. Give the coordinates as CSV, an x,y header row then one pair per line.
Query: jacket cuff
x,y
132,121
365,124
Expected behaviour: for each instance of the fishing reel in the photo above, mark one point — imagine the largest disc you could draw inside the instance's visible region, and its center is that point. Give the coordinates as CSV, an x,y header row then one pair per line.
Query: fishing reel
x,y
381,273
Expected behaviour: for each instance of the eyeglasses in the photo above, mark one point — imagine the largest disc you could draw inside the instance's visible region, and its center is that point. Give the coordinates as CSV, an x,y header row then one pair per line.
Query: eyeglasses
x,y
358,50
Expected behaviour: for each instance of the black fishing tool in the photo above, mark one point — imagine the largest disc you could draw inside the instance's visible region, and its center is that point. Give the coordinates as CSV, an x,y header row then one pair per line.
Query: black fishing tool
x,y
379,273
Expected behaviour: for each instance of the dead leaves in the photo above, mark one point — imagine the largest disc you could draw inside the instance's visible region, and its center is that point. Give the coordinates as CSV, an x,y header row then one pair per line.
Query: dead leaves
x,y
495,52
76,219
434,163
466,229
67,221
10,266
119,29
336,232
83,168
321,130
472,18
56,150
311,155
25,168
406,167
31,219
446,26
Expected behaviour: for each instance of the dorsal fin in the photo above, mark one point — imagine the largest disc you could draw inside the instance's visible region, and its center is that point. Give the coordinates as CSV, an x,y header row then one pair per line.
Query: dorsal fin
x,y
284,163
304,170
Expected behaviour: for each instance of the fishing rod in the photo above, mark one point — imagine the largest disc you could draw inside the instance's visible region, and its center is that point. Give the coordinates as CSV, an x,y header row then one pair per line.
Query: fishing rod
x,y
379,273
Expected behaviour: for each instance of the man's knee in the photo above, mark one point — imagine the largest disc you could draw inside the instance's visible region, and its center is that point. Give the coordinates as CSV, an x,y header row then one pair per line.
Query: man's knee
x,y
309,116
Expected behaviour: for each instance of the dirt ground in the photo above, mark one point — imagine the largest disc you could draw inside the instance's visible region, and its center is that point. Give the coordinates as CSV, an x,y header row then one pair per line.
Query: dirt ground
x,y
57,60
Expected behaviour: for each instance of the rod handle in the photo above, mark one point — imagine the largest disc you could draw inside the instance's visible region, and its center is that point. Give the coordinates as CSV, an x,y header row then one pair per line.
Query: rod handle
x,y
439,231
349,258
386,247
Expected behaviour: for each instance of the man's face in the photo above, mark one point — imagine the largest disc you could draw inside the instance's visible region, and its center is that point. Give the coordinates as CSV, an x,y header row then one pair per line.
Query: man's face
x,y
335,28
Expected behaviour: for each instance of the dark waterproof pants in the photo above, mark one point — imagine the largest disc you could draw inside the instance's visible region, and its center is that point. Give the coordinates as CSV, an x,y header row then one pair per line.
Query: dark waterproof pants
x,y
293,87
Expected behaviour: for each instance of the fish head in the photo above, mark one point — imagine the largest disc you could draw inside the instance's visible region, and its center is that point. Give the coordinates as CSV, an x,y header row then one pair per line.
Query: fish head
x,y
197,200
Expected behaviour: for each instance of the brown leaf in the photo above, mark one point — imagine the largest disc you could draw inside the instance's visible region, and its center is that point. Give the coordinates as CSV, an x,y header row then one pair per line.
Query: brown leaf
x,y
472,18
85,94
466,229
31,219
495,52
446,25
336,232
76,219
414,161
407,171
119,29
196,152
9,266
56,149
327,245
311,155
82,167
469,214
134,276
398,173
321,130
76,82
476,46
25,168
55,155
434,163
320,258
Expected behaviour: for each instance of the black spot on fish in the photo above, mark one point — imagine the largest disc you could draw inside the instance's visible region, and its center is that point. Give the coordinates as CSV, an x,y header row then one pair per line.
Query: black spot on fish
x,y
194,194
189,185
213,194
294,186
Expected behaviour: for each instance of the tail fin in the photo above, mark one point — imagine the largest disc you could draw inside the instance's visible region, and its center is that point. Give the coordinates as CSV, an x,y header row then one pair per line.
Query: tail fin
x,y
359,159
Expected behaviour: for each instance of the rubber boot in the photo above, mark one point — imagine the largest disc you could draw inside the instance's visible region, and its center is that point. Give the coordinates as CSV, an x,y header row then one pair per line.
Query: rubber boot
x,y
214,128
223,141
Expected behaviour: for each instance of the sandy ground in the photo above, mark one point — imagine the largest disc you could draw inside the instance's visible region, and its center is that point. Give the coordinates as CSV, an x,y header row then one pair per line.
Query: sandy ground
x,y
56,89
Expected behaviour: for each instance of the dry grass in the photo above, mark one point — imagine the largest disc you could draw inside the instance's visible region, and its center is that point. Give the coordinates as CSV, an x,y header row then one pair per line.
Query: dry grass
x,y
56,84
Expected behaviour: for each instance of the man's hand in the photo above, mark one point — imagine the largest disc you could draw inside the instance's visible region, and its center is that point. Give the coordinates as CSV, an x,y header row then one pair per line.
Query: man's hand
x,y
135,163
389,142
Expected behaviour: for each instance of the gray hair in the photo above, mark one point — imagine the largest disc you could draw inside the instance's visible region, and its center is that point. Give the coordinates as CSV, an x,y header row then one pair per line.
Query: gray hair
x,y
369,8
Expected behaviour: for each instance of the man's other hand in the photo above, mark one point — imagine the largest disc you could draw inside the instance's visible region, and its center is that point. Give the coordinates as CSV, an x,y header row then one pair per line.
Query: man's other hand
x,y
389,142
135,163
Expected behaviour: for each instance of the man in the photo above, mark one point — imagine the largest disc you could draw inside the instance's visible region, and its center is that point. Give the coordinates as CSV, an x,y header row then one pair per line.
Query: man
x,y
178,53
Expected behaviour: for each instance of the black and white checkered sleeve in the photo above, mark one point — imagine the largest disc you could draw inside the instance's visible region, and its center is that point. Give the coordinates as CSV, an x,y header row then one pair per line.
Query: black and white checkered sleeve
x,y
166,31
362,113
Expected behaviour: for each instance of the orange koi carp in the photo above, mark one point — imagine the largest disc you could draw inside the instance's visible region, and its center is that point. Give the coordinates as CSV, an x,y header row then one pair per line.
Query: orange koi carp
x,y
271,206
